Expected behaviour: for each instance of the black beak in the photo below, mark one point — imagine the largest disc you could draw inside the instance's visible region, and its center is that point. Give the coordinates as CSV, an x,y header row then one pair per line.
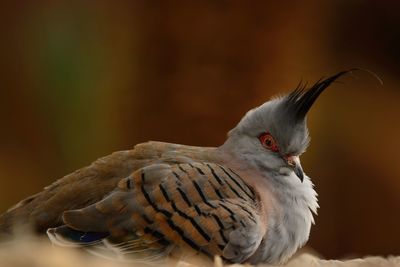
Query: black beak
x,y
294,163
299,172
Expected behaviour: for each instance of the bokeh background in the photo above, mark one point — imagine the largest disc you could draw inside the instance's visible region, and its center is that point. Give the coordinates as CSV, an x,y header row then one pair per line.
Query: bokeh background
x,y
81,79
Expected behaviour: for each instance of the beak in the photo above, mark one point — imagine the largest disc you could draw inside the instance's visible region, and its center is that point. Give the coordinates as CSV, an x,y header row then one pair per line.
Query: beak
x,y
294,163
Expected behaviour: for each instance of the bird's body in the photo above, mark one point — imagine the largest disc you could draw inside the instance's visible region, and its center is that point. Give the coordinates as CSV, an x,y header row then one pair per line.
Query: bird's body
x,y
223,199
247,200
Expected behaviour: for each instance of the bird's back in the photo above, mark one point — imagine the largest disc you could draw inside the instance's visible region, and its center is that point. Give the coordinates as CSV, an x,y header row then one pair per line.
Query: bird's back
x,y
92,183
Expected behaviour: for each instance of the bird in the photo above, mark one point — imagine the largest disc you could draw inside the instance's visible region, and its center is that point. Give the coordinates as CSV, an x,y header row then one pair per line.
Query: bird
x,y
247,201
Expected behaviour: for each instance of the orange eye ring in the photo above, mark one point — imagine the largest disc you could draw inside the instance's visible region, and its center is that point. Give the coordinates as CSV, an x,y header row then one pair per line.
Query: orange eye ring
x,y
268,141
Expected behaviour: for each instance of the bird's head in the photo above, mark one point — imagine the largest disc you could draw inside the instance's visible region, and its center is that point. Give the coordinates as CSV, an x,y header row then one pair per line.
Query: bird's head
x,y
275,134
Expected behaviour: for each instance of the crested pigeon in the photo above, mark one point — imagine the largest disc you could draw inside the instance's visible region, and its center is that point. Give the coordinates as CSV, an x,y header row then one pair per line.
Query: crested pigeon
x,y
246,201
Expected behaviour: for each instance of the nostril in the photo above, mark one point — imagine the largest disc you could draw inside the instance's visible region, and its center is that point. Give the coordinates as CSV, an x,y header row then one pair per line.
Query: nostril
x,y
289,158
291,163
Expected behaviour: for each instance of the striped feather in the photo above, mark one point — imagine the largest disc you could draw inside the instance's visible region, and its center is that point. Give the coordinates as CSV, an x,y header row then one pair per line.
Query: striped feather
x,y
198,206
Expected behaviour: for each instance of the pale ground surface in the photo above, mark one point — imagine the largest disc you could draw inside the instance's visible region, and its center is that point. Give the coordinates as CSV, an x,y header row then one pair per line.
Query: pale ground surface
x,y
32,252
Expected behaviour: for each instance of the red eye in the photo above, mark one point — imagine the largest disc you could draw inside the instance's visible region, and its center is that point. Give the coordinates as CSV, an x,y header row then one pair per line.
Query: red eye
x,y
268,141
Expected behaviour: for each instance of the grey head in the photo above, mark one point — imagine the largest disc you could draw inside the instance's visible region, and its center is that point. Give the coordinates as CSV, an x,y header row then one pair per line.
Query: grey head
x,y
274,135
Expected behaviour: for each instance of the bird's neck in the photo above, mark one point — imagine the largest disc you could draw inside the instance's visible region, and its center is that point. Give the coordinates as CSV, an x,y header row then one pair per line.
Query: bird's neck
x,y
260,174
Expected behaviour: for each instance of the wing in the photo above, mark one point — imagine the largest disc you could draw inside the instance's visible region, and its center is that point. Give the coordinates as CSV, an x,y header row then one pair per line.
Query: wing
x,y
84,186
202,206
76,190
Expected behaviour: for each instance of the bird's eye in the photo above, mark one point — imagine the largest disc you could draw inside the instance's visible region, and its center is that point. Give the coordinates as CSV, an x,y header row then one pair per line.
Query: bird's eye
x,y
268,141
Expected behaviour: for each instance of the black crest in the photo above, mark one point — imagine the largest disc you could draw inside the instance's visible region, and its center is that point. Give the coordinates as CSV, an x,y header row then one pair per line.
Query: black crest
x,y
299,102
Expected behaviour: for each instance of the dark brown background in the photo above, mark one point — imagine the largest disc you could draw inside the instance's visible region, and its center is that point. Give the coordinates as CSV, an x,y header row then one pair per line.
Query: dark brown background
x,y
84,78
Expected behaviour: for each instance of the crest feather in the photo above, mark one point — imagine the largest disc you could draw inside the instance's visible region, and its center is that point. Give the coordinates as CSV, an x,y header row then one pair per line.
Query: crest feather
x,y
299,102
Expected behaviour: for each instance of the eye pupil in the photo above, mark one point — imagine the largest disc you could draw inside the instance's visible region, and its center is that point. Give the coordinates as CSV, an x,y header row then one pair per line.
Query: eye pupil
x,y
268,142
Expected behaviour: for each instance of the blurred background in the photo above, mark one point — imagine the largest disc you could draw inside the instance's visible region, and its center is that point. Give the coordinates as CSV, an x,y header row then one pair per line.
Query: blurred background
x,y
81,79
